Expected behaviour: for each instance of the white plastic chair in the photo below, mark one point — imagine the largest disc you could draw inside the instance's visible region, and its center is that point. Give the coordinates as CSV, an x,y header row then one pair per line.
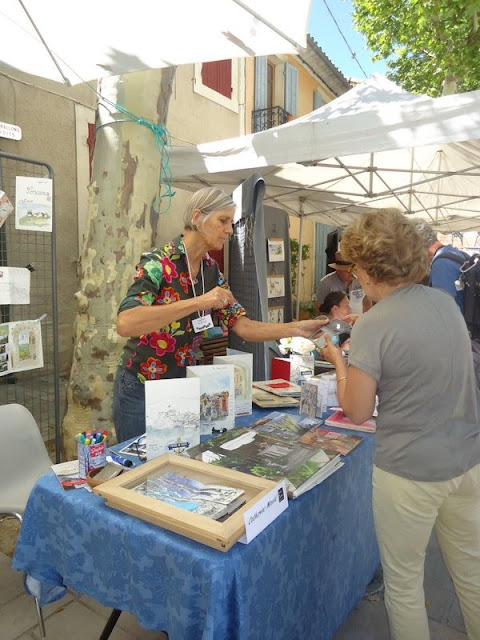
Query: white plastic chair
x,y
22,462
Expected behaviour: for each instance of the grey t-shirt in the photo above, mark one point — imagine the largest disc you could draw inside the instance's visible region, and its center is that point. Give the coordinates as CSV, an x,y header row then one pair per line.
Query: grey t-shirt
x,y
331,282
414,343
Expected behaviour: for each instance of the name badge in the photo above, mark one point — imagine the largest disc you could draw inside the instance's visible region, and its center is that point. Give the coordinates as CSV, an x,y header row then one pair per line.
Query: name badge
x,y
200,324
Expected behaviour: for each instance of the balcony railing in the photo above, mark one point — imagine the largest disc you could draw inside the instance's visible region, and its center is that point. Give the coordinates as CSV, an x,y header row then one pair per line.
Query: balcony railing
x,y
267,118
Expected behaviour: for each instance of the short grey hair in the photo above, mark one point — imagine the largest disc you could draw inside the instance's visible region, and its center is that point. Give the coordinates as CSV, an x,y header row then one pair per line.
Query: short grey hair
x,y
208,200
428,235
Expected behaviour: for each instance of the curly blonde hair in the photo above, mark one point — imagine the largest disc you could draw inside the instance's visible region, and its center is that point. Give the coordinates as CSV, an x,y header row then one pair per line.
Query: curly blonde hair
x,y
388,246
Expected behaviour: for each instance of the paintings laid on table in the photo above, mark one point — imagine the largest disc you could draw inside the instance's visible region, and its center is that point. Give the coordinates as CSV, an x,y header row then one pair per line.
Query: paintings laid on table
x,y
279,387
217,396
276,250
339,419
172,415
143,493
275,286
274,448
270,400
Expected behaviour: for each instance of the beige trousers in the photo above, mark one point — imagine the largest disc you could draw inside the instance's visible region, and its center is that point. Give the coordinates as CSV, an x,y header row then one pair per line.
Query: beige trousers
x,y
405,513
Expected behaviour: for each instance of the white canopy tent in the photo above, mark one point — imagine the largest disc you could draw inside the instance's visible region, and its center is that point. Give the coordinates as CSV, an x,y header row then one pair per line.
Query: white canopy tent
x,y
77,42
374,146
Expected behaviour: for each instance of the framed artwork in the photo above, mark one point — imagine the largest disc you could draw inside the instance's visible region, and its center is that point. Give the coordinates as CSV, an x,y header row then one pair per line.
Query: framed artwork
x,y
147,492
275,314
276,250
275,286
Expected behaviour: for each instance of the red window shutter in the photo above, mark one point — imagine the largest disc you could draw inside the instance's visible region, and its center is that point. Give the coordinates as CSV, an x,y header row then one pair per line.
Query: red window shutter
x,y
218,76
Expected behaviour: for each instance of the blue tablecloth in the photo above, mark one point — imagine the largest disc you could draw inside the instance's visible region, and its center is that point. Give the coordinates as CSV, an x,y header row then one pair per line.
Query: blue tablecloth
x,y
300,578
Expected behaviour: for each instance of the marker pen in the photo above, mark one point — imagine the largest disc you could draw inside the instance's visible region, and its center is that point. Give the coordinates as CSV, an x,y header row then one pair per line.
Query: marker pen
x,y
125,462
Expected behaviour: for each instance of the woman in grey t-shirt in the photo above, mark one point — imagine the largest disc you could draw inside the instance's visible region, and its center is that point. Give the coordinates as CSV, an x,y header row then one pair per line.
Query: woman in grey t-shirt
x,y
412,349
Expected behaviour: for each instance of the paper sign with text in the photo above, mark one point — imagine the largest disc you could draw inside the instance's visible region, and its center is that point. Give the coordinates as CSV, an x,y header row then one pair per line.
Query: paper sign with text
x,y
264,512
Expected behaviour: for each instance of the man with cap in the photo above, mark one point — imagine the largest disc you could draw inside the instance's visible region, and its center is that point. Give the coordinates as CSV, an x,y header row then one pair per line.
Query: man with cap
x,y
341,279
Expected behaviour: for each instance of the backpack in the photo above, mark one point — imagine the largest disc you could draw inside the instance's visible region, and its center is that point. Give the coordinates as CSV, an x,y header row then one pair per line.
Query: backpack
x,y
468,282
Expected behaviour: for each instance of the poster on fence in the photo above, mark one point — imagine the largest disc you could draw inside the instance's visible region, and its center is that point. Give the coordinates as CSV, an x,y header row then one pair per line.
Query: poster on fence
x,y
6,207
33,204
14,285
20,346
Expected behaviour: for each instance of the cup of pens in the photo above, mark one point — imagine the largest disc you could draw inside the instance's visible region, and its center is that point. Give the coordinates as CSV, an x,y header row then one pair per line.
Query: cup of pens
x,y
92,451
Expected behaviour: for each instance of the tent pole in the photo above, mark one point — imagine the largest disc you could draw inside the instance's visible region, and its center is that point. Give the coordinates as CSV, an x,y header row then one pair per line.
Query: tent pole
x,y
300,251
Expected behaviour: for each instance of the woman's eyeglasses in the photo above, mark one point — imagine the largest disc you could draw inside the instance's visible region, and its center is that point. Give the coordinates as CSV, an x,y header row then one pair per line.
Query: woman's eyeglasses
x,y
353,272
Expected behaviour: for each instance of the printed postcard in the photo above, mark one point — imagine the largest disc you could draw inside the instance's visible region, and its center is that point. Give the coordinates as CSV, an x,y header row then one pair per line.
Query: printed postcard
x,y
172,415
217,396
34,204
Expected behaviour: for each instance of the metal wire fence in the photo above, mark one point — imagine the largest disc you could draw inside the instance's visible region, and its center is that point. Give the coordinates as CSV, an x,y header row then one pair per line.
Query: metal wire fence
x,y
36,389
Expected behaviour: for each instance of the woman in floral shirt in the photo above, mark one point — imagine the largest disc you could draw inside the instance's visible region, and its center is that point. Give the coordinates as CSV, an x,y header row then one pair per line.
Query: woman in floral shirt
x,y
174,291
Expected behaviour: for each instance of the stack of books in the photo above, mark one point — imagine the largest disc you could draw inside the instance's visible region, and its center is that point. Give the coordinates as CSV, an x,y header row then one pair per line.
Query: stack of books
x,y
279,447
340,420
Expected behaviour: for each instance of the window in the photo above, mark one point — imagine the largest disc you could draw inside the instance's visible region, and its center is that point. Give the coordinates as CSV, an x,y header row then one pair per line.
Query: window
x,y
218,76
270,76
291,89
218,81
317,99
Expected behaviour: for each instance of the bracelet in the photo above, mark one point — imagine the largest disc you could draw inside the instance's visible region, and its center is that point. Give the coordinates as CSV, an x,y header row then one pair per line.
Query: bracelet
x,y
340,379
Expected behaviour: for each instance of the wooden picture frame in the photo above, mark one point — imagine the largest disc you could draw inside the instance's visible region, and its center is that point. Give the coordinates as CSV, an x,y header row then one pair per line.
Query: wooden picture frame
x,y
219,535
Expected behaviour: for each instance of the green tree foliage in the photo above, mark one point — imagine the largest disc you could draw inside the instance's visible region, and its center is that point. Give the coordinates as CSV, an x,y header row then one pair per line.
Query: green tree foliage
x,y
425,42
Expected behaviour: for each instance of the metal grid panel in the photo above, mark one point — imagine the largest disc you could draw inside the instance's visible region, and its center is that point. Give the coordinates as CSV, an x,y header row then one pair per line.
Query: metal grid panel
x,y
36,389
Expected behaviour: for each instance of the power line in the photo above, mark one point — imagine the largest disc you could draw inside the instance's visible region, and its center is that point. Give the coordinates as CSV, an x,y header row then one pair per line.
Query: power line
x,y
353,54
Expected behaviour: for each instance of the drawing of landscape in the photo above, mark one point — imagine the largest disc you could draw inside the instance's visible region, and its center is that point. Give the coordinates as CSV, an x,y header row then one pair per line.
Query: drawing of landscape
x,y
172,415
217,396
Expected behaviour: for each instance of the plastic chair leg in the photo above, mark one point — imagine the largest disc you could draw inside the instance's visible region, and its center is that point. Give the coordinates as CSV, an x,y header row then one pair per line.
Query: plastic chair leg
x,y
41,623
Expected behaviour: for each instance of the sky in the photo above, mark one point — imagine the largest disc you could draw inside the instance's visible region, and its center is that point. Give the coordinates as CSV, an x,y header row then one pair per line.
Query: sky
x,y
323,29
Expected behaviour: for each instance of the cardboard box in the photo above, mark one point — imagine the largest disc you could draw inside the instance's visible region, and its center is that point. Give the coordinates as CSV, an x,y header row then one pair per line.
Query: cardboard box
x,y
295,369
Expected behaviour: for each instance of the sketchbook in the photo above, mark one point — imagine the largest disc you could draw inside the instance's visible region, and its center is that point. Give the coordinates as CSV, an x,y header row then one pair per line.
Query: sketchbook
x,y
270,400
271,449
279,387
342,443
339,419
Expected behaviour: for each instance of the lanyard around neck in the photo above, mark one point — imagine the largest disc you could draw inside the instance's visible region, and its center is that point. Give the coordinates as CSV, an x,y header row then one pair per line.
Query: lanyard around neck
x,y
191,279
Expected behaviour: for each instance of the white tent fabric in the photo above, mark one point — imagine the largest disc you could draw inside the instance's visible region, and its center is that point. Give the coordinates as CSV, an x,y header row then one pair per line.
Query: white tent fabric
x,y
96,38
374,146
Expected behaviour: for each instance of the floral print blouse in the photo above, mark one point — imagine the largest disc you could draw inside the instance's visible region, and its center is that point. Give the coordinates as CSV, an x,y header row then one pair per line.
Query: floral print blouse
x,y
162,278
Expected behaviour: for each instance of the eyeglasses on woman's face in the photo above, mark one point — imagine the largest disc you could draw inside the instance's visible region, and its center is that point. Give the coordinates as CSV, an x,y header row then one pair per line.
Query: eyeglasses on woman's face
x,y
353,272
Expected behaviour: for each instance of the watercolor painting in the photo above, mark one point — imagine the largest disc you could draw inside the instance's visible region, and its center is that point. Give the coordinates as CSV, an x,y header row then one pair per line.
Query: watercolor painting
x,y
275,286
275,314
172,415
276,250
217,396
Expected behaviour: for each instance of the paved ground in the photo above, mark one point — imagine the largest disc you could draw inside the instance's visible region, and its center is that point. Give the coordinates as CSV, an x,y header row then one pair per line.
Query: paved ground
x,y
81,618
